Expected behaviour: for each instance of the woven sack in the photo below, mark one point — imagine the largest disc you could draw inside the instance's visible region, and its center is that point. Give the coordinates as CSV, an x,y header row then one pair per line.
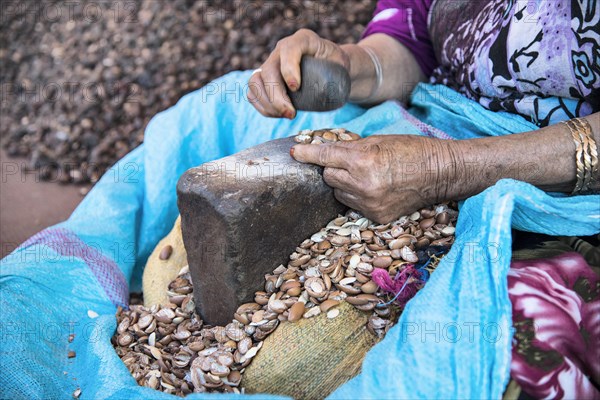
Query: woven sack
x,y
159,273
310,358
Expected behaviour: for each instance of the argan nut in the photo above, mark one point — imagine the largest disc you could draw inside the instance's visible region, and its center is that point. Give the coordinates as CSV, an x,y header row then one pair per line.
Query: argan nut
x,y
367,236
296,312
382,261
369,287
166,252
324,245
328,304
422,243
427,223
448,231
443,218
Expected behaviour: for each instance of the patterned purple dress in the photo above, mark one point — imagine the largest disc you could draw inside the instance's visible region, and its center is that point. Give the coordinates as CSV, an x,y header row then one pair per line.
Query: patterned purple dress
x,y
541,60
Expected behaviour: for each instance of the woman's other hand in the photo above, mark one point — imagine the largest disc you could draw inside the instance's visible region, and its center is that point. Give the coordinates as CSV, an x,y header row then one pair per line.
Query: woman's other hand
x,y
269,84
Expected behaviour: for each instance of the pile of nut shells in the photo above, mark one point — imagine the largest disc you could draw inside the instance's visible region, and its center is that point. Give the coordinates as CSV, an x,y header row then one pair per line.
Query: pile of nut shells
x,y
168,347
321,136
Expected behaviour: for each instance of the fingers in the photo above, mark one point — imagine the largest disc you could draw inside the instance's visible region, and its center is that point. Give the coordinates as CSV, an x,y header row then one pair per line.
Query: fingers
x,y
354,202
267,92
277,100
269,87
256,92
338,178
303,42
347,198
326,155
306,42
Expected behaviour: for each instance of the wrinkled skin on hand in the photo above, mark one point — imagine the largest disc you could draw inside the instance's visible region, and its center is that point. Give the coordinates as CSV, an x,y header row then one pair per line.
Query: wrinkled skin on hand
x,y
387,176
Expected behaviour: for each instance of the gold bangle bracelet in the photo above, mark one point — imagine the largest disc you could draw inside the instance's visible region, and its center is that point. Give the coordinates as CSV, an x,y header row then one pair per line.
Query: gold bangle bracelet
x,y
594,176
587,159
578,157
586,156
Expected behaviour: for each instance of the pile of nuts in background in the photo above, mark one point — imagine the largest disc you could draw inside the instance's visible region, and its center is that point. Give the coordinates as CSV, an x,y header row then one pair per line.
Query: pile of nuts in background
x,y
80,80
169,349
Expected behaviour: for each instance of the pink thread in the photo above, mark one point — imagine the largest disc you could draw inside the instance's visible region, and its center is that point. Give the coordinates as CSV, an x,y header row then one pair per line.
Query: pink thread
x,y
403,287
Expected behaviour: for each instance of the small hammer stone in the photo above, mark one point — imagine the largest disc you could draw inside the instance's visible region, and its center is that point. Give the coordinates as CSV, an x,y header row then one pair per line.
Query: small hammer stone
x,y
325,86
242,216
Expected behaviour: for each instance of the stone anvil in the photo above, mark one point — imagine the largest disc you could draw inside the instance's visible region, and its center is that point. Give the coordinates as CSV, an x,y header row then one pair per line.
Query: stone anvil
x,y
242,216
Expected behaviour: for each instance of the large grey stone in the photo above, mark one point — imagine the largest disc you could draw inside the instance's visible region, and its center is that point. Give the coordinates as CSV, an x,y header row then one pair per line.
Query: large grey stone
x,y
242,216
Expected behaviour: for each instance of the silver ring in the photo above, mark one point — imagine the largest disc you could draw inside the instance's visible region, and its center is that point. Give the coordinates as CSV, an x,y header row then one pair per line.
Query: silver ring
x,y
256,71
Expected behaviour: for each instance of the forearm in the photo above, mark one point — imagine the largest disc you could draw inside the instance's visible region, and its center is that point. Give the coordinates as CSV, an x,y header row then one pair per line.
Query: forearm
x,y
545,158
400,70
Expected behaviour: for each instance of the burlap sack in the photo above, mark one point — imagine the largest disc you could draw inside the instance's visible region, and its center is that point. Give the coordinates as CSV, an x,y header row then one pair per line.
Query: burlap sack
x,y
159,273
310,358
307,359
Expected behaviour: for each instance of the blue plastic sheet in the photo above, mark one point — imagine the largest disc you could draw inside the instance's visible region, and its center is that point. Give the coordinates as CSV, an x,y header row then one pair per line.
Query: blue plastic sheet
x,y
452,341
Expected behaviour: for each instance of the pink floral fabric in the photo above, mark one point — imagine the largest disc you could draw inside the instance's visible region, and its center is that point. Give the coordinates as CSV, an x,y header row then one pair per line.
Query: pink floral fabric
x,y
556,316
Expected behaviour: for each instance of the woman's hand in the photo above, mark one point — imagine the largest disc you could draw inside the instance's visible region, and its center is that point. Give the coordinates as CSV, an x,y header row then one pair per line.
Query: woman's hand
x,y
269,84
387,176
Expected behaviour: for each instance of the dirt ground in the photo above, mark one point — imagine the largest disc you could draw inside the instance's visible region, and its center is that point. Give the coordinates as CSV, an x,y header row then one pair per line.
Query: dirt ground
x,y
28,205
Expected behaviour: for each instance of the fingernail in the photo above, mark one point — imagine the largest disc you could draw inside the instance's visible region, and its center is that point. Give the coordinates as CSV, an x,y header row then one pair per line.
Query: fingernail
x,y
289,114
292,152
292,84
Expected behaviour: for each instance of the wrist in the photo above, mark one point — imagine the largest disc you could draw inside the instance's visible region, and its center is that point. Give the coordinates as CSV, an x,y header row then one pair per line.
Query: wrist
x,y
361,71
477,165
434,168
543,158
352,55
453,177
481,163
